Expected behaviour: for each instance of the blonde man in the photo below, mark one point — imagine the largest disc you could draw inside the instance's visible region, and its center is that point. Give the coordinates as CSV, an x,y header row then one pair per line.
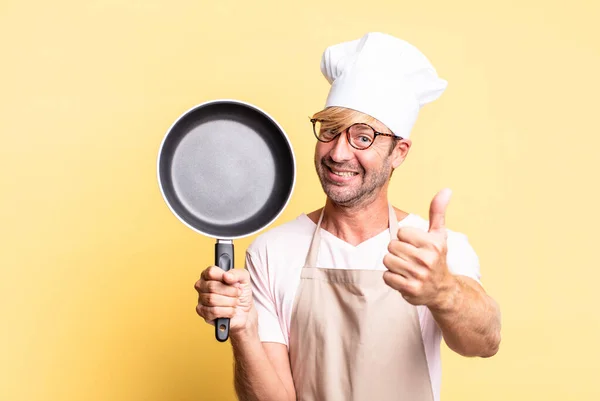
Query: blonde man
x,y
351,301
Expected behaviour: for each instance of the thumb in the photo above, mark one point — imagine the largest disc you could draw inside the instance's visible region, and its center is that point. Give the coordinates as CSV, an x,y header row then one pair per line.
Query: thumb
x,y
437,210
236,276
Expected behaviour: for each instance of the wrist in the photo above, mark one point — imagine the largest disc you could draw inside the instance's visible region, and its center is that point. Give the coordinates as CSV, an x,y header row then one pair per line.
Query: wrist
x,y
245,334
447,295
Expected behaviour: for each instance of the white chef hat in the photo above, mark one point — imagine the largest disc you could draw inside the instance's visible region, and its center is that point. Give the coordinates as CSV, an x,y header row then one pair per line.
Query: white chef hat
x,y
382,76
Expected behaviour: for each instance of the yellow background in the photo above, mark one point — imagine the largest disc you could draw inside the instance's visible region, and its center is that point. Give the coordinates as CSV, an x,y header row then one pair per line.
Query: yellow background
x,y
96,278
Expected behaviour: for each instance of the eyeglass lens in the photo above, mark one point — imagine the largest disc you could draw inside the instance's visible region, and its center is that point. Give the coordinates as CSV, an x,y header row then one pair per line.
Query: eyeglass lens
x,y
361,136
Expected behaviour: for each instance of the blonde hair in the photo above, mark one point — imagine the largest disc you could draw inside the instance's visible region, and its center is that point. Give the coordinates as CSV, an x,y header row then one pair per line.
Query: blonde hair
x,y
339,118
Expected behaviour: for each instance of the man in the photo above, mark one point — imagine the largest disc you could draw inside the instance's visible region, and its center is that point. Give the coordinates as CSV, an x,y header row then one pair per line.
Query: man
x,y
350,302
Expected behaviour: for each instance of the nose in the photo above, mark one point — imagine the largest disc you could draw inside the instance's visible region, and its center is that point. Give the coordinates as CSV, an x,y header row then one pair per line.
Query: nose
x,y
341,151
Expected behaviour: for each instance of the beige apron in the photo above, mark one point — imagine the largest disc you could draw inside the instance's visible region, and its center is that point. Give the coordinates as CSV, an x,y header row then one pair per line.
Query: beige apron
x,y
353,338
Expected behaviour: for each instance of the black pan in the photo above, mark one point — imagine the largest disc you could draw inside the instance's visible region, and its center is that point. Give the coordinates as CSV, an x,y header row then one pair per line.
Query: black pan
x,y
226,169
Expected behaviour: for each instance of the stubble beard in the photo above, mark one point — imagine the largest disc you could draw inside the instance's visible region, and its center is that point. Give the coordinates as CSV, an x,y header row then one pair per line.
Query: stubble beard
x,y
361,193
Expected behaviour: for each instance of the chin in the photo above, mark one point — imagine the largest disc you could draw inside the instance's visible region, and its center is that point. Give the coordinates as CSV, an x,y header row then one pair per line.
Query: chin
x,y
342,198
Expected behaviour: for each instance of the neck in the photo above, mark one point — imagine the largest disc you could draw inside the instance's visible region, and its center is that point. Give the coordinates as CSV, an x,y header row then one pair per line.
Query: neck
x,y
356,224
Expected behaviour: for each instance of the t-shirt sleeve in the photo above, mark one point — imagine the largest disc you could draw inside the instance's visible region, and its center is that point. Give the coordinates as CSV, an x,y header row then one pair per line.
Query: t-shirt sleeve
x,y
269,328
461,257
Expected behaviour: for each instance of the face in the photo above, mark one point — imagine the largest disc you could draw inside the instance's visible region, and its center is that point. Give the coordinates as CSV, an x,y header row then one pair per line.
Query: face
x,y
352,177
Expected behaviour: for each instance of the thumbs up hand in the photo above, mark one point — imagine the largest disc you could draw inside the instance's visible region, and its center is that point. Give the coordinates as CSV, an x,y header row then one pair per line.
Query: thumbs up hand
x,y
416,261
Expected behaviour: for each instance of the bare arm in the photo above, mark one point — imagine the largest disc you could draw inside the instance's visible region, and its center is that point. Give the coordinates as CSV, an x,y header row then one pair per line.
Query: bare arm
x,y
418,269
262,370
469,319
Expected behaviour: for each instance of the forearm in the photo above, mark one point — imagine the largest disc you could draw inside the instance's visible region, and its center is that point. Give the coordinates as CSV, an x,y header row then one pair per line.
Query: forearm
x,y
255,377
469,318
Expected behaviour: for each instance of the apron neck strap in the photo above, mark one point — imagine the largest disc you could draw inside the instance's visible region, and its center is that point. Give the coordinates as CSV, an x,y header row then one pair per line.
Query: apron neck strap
x,y
393,222
313,251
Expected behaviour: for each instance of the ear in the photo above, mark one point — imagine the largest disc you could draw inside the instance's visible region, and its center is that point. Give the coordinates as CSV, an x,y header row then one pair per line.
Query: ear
x,y
400,152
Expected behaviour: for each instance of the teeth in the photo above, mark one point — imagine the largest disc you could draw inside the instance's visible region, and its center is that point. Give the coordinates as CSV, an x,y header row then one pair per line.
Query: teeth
x,y
344,173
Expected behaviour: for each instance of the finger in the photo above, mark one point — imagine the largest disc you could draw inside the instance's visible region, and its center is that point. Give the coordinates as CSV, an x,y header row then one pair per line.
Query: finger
x,y
407,288
217,287
396,281
403,250
215,312
213,273
217,300
406,269
437,210
234,276
414,236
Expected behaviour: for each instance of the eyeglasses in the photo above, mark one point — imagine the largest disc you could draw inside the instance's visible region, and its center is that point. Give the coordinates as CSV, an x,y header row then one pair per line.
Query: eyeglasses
x,y
360,136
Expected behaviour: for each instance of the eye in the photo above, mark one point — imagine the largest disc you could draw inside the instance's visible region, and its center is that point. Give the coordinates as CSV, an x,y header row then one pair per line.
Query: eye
x,y
362,133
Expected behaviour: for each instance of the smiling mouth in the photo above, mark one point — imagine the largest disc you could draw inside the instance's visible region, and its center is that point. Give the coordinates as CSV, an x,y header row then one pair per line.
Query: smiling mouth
x,y
342,173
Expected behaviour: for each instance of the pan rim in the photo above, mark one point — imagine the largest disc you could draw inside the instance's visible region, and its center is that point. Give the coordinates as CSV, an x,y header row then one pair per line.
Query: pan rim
x,y
230,101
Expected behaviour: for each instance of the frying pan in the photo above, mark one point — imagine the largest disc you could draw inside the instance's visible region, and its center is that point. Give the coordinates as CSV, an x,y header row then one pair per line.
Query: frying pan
x,y
226,169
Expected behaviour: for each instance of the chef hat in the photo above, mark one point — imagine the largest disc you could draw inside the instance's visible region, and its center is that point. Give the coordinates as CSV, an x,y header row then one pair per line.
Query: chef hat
x,y
382,76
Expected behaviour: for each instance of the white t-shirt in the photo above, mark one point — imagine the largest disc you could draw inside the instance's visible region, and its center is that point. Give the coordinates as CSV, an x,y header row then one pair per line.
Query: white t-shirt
x,y
276,257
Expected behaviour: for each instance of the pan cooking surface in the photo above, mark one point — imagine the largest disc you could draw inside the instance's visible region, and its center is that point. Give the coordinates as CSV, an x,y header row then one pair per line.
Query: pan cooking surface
x,y
226,169
223,172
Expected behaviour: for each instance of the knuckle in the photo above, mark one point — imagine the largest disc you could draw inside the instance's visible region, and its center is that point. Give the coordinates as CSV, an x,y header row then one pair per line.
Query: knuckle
x,y
427,258
215,273
226,291
209,300
200,310
422,275
212,286
419,274
408,288
209,313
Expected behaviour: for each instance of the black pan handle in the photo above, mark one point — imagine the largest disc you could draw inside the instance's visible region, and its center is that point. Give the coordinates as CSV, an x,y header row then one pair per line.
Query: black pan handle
x,y
223,259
